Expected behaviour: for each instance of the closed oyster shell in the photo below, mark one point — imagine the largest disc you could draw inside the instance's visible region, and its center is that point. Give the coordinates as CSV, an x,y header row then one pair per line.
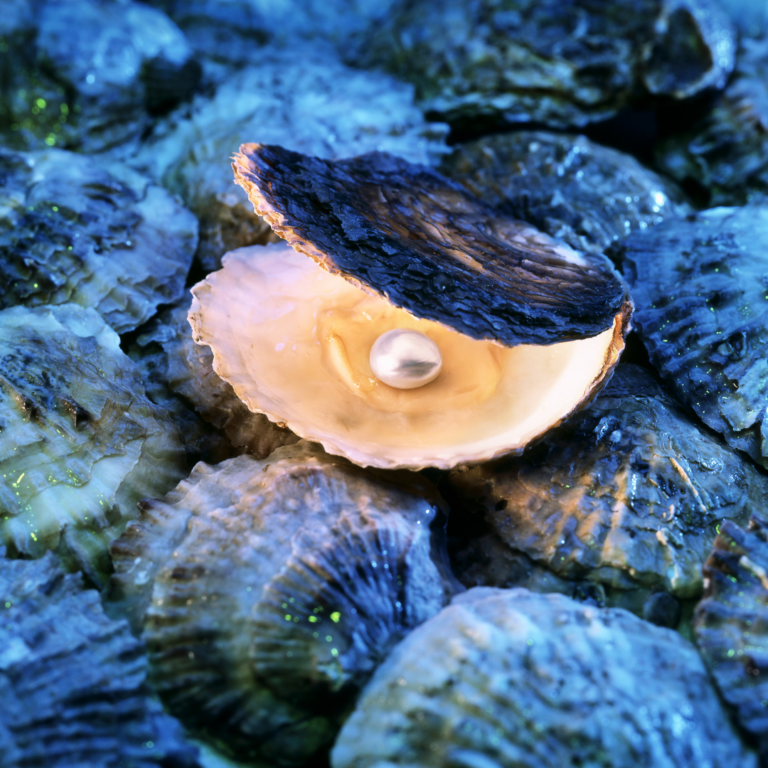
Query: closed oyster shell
x,y
73,688
726,150
629,493
80,444
730,623
86,75
559,63
72,231
566,185
700,288
269,590
511,679
311,103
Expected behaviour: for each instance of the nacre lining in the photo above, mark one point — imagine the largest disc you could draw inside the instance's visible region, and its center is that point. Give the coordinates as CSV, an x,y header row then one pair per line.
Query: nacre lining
x,y
405,359
300,355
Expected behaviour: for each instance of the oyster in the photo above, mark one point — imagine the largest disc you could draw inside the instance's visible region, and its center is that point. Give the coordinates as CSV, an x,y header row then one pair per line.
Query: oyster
x,y
311,103
72,231
429,258
700,288
730,623
511,679
726,151
566,185
629,493
73,688
563,64
269,590
80,444
92,84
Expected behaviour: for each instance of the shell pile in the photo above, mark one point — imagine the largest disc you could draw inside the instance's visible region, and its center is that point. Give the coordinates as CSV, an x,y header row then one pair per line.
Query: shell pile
x,y
234,532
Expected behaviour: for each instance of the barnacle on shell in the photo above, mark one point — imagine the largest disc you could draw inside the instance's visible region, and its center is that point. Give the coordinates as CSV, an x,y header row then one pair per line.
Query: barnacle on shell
x,y
268,591
398,246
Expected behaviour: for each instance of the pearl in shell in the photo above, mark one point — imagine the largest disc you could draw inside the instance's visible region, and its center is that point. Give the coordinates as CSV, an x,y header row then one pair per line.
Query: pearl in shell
x,y
405,359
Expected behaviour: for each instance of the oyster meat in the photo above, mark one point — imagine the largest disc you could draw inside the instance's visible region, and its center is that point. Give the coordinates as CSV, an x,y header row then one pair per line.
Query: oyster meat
x,y
566,185
80,444
73,687
700,288
73,231
628,494
511,679
268,591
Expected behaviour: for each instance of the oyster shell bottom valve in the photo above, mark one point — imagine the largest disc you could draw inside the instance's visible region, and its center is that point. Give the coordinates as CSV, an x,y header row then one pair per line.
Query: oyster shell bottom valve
x,y
500,330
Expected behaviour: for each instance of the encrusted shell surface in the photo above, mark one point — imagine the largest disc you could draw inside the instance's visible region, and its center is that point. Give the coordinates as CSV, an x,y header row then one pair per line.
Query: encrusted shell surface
x,y
311,103
511,679
629,493
566,185
726,151
80,444
268,591
73,689
72,230
700,288
731,621
554,62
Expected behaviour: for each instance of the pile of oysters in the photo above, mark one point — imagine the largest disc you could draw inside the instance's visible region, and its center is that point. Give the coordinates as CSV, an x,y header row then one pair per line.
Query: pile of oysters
x,y
383,384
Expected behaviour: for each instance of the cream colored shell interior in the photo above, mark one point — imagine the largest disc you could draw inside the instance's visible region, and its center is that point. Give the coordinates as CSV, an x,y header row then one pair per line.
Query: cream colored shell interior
x,y
294,340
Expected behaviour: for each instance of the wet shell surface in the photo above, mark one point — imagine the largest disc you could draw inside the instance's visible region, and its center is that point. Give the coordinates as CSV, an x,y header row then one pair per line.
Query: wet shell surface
x,y
629,493
731,620
80,444
559,63
73,231
725,151
73,689
511,679
312,103
699,284
566,185
268,591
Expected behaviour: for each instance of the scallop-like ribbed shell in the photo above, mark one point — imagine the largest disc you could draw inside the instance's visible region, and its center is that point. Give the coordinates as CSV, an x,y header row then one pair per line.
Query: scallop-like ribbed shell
x,y
80,443
72,231
629,493
269,590
511,679
730,623
73,688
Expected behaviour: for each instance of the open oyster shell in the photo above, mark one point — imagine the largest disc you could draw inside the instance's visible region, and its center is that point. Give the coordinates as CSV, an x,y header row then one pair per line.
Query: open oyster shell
x,y
566,185
72,231
559,63
73,689
80,444
700,288
268,591
629,493
730,623
511,679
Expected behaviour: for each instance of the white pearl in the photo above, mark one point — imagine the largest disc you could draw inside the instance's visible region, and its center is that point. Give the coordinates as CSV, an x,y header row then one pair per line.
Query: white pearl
x,y
405,359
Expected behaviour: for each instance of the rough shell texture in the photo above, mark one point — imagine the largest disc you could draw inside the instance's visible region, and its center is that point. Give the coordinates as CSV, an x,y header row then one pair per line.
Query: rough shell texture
x,y
427,245
731,620
70,230
566,185
80,444
269,591
88,85
700,288
726,151
510,679
559,63
628,493
73,688
310,103
186,369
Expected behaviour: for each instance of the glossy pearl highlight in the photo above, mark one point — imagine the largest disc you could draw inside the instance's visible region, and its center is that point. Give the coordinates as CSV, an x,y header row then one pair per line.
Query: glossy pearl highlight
x,y
405,359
